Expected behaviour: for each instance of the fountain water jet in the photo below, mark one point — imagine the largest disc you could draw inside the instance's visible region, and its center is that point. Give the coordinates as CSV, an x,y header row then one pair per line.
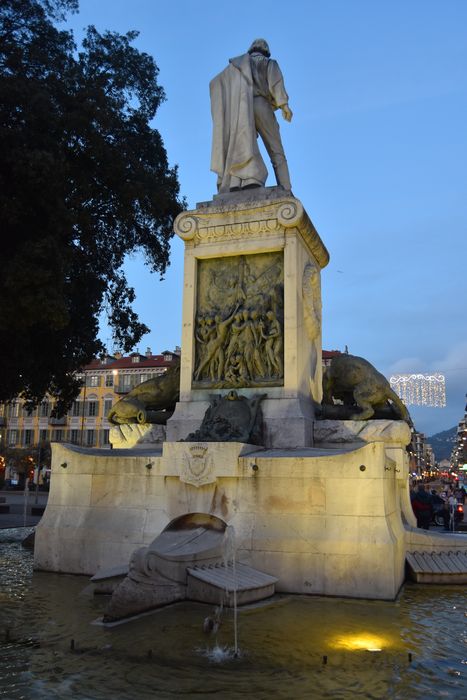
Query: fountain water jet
x,y
230,559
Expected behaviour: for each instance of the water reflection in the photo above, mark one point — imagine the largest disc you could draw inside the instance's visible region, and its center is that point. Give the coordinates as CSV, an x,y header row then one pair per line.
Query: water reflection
x,y
297,647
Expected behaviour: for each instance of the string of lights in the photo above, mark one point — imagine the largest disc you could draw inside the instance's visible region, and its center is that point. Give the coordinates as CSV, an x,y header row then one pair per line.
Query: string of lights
x,y
420,389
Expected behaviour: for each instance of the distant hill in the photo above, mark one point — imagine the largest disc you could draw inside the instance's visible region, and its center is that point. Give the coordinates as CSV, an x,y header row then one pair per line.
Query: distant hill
x,y
442,443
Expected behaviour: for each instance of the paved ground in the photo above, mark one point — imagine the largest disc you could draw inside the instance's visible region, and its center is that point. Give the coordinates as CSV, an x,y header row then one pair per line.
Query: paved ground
x,y
19,514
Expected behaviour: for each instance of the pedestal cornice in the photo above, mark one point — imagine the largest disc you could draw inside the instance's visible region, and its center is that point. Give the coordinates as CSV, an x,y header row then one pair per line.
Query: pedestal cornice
x,y
213,222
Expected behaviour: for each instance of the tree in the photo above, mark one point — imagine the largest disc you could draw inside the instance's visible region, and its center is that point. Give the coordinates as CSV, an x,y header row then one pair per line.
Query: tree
x,y
84,181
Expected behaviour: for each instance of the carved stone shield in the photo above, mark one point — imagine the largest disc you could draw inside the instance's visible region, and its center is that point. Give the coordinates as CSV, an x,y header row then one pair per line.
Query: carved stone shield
x,y
198,466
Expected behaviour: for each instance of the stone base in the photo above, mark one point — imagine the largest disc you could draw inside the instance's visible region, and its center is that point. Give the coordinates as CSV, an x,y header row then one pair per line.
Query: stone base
x,y
322,521
130,435
255,252
133,598
288,422
358,432
187,418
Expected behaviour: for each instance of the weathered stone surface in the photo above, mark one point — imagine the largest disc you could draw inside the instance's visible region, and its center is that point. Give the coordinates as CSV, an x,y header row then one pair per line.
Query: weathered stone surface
x,y
351,431
311,517
133,597
142,435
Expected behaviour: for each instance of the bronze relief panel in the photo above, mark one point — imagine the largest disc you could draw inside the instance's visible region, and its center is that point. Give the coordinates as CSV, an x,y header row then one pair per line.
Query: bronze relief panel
x,y
239,325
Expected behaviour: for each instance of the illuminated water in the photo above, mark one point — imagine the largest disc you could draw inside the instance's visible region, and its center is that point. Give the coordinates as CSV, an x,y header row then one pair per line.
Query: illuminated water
x,y
281,646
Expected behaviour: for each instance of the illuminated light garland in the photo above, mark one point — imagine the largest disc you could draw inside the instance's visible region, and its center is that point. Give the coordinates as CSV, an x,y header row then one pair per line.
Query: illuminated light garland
x,y
420,389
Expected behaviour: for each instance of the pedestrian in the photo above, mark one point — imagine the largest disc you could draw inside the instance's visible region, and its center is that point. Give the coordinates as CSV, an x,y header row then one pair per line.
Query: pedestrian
x,y
422,507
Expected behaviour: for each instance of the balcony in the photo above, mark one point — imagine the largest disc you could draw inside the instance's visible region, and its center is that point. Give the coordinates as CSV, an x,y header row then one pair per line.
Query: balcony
x,y
57,421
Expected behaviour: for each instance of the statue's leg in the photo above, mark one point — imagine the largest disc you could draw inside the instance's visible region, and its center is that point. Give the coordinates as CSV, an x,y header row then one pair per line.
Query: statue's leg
x,y
364,400
268,128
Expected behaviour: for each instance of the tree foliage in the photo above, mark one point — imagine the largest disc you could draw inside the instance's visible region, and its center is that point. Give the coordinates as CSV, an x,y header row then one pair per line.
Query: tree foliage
x,y
84,181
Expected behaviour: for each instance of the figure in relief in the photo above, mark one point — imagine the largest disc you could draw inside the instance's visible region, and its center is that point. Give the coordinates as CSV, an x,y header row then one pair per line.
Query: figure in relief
x,y
214,357
247,341
311,294
244,97
274,344
235,330
258,364
237,373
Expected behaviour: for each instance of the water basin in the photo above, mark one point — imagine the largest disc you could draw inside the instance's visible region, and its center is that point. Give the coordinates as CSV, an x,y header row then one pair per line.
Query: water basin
x,y
292,647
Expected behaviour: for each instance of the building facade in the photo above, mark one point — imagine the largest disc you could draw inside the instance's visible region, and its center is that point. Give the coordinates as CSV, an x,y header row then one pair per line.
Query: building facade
x,y
459,452
104,382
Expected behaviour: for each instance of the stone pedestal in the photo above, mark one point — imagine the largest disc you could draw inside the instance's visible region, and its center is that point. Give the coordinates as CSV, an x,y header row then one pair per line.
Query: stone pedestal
x,y
252,258
136,435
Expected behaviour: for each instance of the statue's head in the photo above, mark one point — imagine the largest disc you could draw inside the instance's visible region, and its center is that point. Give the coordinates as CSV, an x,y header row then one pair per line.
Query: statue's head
x,y
260,45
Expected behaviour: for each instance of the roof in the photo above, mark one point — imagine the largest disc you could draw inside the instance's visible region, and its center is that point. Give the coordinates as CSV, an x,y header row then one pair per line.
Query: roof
x,y
328,354
145,362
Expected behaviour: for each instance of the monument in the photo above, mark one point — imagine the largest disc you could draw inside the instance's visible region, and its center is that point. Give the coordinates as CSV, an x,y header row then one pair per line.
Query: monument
x,y
243,100
317,493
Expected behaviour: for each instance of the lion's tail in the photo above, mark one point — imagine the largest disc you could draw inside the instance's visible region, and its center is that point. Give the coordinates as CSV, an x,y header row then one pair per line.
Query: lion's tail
x,y
401,407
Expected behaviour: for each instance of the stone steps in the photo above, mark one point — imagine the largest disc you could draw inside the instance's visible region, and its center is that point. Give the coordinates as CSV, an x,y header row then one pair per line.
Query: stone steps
x,y
437,567
216,583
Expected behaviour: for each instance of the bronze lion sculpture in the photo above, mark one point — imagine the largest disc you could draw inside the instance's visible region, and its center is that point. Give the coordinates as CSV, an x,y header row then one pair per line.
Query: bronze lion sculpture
x,y
364,392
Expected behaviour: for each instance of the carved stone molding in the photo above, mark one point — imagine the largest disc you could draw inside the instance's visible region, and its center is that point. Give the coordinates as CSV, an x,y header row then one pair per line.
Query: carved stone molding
x,y
311,300
186,226
258,218
233,231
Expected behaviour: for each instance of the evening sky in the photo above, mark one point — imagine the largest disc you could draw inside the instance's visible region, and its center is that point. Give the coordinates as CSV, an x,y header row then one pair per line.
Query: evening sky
x,y
377,151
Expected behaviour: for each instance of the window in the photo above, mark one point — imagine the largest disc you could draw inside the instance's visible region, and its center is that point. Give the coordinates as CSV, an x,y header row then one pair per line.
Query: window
x,y
90,438
13,410
76,408
12,437
109,379
126,382
107,406
43,435
93,380
74,437
105,437
44,409
135,359
28,437
57,435
93,408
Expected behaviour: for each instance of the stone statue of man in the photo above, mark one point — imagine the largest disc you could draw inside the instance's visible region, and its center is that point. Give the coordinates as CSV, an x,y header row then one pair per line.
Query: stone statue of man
x,y
244,97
